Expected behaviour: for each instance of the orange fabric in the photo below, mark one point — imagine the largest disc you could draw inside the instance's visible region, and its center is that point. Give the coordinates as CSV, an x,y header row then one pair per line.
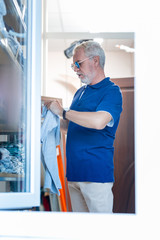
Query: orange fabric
x,y
61,175
69,207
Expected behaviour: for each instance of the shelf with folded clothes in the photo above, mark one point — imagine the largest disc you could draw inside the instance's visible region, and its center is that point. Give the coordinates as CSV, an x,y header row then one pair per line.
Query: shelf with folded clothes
x,y
12,161
12,157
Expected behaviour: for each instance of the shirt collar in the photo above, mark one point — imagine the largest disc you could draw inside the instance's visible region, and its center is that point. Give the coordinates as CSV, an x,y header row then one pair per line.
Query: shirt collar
x,y
100,84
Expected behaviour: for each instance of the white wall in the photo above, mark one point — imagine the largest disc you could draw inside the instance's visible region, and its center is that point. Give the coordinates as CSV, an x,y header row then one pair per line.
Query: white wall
x,y
62,82
119,64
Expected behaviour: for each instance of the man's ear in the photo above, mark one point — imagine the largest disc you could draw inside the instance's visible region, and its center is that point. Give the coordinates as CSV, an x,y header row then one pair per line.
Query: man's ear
x,y
96,60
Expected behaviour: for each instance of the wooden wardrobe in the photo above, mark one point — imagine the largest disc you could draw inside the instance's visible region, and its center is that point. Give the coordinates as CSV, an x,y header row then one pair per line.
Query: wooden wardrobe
x,y
124,162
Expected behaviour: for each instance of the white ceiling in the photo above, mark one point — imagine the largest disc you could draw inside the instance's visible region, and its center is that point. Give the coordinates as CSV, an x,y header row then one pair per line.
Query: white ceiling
x,y
67,21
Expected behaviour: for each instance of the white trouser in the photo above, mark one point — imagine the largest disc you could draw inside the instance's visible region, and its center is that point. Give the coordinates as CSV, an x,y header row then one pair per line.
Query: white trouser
x,y
91,197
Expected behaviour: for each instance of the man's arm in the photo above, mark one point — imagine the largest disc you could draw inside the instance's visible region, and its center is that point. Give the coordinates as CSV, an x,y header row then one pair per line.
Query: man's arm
x,y
64,125
96,120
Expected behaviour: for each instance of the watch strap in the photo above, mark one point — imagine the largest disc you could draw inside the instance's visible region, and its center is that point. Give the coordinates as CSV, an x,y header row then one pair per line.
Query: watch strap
x,y
64,114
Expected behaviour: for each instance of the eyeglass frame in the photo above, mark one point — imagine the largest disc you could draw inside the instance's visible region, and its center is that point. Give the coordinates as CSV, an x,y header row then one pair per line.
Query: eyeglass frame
x,y
76,64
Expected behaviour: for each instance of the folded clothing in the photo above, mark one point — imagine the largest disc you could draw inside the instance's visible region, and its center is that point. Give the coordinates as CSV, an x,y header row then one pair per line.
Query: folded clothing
x,y
12,163
4,153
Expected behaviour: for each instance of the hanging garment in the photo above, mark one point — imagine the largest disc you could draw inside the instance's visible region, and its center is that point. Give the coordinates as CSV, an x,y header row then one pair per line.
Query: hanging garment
x,y
2,8
10,38
2,13
50,138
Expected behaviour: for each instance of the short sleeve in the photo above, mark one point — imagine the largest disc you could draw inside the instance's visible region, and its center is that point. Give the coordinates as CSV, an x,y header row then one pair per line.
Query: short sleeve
x,y
111,102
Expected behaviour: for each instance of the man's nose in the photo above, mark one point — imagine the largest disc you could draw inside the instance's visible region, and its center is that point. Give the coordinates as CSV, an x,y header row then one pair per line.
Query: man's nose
x,y
76,69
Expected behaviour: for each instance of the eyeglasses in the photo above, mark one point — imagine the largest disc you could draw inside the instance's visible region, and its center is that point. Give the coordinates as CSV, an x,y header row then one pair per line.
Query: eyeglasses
x,y
77,64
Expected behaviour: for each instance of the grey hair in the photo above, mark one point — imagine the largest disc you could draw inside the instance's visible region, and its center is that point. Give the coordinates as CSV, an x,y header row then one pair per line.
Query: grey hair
x,y
92,48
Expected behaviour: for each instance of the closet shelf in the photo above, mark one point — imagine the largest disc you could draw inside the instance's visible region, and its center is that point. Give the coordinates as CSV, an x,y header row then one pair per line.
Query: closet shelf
x,y
10,176
6,130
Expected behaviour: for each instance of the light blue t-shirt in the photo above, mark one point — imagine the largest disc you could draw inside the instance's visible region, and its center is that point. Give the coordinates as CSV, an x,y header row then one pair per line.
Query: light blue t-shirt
x,y
90,151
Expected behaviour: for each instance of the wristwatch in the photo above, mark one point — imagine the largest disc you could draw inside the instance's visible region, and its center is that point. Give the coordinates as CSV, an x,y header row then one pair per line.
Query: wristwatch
x,y
64,114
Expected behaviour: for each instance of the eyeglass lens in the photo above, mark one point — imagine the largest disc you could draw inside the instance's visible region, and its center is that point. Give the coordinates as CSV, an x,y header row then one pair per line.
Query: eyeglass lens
x,y
77,64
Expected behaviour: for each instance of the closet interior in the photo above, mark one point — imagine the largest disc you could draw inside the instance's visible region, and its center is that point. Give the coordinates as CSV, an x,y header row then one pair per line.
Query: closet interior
x,y
13,100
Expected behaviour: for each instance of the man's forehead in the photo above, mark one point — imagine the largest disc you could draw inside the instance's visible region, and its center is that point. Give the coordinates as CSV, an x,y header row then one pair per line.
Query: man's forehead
x,y
79,53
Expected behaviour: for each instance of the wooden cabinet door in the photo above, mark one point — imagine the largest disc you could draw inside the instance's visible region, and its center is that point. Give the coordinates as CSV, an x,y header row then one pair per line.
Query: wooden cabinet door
x,y
124,187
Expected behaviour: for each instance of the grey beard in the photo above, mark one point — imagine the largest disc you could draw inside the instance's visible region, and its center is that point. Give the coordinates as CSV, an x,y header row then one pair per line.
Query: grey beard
x,y
86,80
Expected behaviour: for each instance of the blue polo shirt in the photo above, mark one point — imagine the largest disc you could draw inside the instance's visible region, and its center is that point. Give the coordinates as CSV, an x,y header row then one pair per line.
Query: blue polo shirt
x,y
90,151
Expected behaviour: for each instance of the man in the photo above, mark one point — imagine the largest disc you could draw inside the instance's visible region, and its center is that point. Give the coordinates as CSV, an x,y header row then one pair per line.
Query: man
x,y
91,122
